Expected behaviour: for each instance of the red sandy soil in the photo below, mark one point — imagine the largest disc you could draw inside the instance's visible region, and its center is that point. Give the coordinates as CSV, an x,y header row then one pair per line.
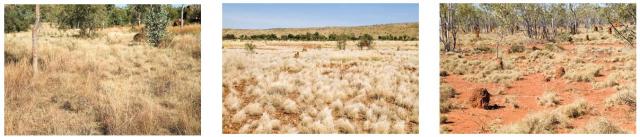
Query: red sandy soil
x,y
476,120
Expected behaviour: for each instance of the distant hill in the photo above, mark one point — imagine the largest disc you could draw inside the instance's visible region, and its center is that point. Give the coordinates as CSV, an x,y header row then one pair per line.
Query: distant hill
x,y
396,29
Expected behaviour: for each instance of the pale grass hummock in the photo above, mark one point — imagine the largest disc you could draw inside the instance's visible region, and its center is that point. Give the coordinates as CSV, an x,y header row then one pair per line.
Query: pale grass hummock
x,y
323,90
103,85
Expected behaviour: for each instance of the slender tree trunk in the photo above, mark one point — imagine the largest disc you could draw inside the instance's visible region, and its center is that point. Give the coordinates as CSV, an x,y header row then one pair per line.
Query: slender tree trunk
x,y
34,40
452,26
182,16
574,24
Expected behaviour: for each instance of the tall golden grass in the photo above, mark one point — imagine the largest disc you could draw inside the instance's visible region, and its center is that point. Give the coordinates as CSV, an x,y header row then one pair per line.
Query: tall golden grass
x,y
102,85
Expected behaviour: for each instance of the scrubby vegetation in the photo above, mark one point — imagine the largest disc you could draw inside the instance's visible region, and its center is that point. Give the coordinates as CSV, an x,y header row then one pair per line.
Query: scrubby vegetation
x,y
446,92
103,85
548,121
541,78
583,72
391,32
548,99
537,123
600,125
321,80
624,96
321,91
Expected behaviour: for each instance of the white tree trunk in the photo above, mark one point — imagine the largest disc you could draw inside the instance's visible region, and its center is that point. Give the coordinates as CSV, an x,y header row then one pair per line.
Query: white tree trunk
x,y
182,16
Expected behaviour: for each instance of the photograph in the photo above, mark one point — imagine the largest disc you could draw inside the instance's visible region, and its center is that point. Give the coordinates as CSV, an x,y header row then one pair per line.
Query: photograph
x,y
102,69
320,68
537,68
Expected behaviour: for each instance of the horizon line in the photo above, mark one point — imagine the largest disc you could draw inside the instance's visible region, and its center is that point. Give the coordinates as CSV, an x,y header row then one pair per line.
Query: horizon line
x,y
324,26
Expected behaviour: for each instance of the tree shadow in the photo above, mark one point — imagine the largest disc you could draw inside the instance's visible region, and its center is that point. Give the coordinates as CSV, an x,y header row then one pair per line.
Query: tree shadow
x,y
494,107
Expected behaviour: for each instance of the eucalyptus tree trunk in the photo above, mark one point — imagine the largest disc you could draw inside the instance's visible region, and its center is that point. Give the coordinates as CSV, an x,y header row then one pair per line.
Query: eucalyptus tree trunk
x,y
34,40
182,16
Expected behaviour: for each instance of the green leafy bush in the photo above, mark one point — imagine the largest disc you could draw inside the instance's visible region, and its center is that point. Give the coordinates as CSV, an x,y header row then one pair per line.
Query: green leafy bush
x,y
18,17
156,21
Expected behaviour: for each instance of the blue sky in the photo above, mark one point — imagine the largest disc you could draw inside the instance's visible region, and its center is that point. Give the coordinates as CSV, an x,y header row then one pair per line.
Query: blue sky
x,y
264,16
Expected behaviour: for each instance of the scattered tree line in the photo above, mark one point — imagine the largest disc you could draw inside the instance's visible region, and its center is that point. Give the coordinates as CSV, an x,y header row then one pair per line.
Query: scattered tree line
x,y
89,18
314,37
549,22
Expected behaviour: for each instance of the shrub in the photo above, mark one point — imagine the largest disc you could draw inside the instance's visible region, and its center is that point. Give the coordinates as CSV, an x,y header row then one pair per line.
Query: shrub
x,y
87,18
622,97
444,130
446,92
548,99
600,125
341,42
229,37
253,109
502,76
290,106
564,36
446,106
443,118
583,73
156,21
239,117
344,126
366,40
398,127
537,123
575,109
232,102
454,64
540,55
516,49
483,49
249,47
18,17
609,82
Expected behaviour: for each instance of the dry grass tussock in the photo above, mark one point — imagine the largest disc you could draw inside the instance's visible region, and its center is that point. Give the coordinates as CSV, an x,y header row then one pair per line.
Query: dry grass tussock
x,y
503,72
446,93
547,122
548,99
102,85
625,96
600,125
320,91
583,72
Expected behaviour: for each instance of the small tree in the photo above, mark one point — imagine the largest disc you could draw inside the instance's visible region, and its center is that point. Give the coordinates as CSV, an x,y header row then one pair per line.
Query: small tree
x,y
365,41
117,16
156,21
136,11
192,13
249,47
341,41
17,17
87,18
